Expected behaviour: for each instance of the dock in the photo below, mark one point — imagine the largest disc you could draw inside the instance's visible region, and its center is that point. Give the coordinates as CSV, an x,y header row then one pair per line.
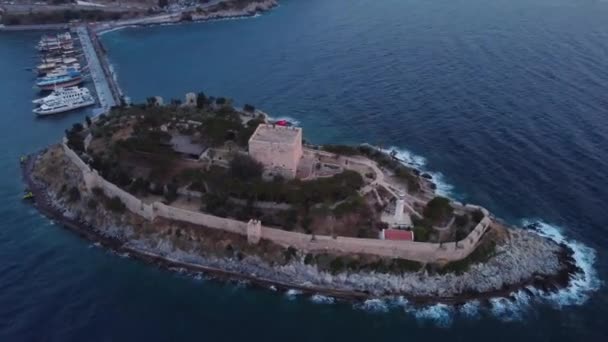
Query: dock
x,y
108,92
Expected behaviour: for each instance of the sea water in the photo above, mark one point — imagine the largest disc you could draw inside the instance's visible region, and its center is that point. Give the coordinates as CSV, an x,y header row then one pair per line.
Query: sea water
x,y
504,102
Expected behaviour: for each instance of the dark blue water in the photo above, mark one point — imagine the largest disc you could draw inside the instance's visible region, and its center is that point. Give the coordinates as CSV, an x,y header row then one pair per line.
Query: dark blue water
x,y
505,100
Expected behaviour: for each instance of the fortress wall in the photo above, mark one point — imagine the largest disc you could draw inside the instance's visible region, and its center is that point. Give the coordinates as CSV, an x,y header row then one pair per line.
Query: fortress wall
x,y
199,218
74,157
411,250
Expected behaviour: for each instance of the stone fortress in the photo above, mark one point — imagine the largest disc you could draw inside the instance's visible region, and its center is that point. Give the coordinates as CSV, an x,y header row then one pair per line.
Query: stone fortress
x,y
280,150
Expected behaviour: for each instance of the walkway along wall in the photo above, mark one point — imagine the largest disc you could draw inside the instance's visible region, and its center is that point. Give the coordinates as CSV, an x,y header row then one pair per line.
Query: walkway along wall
x,y
411,250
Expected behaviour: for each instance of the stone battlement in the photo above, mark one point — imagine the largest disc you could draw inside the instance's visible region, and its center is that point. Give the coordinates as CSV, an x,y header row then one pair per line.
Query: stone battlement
x,y
255,231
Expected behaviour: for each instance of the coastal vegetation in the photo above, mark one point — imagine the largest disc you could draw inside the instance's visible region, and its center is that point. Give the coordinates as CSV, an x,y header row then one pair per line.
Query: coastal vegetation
x,y
67,15
390,162
134,148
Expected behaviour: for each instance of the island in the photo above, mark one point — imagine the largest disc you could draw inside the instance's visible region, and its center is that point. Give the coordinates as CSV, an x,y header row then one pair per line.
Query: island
x,y
203,186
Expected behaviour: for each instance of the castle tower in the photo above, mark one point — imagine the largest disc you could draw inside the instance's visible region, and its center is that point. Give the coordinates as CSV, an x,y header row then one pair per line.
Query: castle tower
x,y
254,231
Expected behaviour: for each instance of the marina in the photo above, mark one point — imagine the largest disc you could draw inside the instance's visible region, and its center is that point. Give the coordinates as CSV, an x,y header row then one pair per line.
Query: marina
x,y
66,62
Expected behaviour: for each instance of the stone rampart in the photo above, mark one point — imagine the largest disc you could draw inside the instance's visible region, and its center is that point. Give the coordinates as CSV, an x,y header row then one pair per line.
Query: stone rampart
x,y
198,218
411,250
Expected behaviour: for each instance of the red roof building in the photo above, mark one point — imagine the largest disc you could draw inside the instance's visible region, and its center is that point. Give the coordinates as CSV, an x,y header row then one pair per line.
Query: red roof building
x,y
397,234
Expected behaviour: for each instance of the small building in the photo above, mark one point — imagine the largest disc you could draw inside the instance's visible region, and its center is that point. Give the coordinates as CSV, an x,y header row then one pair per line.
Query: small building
x,y
397,234
399,217
190,100
278,148
183,145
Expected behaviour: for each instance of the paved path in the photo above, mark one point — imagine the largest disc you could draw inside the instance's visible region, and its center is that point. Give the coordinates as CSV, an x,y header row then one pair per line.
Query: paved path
x,y
378,181
102,86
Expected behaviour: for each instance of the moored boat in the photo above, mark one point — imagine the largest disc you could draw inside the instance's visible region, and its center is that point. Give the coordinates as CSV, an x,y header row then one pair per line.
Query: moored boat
x,y
63,100
71,77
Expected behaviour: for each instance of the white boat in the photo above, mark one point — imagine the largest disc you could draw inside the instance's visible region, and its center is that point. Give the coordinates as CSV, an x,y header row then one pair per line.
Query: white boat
x,y
63,100
62,70
68,92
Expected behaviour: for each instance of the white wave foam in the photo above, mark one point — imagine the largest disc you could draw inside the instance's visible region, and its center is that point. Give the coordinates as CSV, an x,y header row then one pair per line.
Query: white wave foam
x,y
507,310
320,299
439,314
292,293
373,305
418,162
470,309
117,28
583,283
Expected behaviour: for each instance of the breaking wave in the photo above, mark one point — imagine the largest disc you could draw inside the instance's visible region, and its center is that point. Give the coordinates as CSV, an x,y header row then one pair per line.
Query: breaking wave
x,y
418,162
321,299
519,305
441,315
292,293
582,283
373,305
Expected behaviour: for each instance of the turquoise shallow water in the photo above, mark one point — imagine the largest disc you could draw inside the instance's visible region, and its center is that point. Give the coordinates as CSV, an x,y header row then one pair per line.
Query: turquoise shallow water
x,y
505,101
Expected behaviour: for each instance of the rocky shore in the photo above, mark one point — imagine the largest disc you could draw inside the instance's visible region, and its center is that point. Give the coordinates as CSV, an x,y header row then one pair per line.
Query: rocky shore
x,y
524,260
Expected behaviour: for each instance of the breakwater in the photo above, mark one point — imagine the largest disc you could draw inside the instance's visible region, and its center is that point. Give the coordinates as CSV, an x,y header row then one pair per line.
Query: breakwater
x,y
106,86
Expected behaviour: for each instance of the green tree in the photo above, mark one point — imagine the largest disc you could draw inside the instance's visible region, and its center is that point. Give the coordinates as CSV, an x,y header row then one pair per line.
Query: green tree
x,y
245,168
201,100
438,210
249,108
422,233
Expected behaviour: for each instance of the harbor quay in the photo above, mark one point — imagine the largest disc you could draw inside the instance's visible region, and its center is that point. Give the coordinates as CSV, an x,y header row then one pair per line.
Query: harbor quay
x,y
107,94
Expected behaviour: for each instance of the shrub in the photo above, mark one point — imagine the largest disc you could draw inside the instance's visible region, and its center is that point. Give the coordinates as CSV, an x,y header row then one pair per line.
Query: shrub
x,y
290,218
73,194
201,100
461,220
249,108
97,191
245,168
345,150
477,216
92,203
350,205
337,265
290,253
422,233
403,266
115,204
438,210
171,193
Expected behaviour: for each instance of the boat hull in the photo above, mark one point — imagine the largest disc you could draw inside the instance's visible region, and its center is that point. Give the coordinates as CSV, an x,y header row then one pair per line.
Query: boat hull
x,y
69,83
65,109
